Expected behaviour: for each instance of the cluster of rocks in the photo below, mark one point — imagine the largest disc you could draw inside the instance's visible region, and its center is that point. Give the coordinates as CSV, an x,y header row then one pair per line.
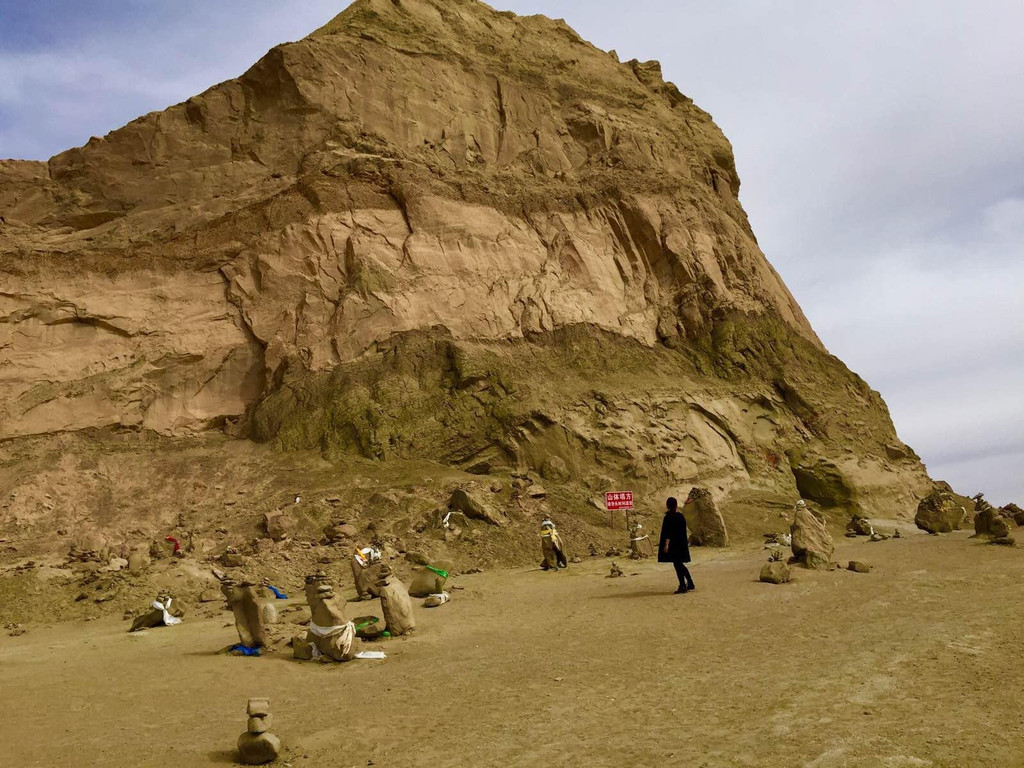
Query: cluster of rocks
x,y
1014,512
859,526
993,522
941,511
773,540
527,484
330,635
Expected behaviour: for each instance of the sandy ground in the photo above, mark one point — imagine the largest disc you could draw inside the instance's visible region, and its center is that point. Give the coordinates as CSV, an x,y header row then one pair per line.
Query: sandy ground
x,y
915,664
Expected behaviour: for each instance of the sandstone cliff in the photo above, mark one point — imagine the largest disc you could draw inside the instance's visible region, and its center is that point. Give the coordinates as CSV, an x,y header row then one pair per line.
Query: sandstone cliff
x,y
435,231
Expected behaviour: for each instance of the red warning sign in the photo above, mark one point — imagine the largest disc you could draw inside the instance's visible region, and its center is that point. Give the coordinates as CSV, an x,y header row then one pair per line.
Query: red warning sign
x,y
618,500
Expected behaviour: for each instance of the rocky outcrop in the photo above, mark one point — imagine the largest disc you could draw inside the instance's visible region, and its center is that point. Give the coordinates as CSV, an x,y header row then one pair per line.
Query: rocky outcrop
x,y
422,232
1015,512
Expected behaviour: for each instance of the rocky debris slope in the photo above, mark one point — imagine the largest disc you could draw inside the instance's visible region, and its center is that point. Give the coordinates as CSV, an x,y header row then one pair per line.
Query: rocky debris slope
x,y
433,231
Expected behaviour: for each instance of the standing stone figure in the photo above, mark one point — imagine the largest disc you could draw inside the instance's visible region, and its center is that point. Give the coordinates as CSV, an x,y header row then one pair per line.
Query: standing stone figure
x,y
329,633
395,603
247,604
706,524
366,565
812,543
639,542
258,745
551,547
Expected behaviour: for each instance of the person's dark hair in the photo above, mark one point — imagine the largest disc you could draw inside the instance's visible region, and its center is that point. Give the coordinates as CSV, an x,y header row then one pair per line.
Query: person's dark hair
x,y
672,504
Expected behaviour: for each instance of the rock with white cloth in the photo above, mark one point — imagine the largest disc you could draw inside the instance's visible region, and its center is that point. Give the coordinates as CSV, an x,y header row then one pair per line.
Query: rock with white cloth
x,y
330,634
160,614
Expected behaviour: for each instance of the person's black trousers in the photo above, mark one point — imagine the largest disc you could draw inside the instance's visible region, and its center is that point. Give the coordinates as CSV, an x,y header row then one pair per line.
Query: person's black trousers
x,y
685,579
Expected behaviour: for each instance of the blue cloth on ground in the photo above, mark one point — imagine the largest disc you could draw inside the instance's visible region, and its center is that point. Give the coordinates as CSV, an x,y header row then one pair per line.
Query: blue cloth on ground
x,y
277,592
245,650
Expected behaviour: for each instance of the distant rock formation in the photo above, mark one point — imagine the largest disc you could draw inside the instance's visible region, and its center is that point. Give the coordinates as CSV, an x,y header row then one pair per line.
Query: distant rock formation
x,y
432,230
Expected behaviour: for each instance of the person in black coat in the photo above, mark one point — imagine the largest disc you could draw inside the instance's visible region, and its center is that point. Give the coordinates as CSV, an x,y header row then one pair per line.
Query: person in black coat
x,y
674,547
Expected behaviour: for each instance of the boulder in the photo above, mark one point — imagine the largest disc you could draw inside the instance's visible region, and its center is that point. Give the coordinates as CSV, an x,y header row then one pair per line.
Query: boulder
x,y
858,567
116,564
339,530
232,559
139,560
369,627
426,581
1005,541
989,521
279,525
258,748
812,543
161,548
1014,512
474,507
704,520
859,526
554,468
939,512
776,572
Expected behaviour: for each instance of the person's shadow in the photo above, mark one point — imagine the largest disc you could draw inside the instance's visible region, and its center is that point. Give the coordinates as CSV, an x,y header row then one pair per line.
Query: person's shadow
x,y
633,595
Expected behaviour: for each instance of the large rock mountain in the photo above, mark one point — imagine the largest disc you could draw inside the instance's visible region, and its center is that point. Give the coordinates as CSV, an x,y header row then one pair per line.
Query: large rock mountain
x,y
431,230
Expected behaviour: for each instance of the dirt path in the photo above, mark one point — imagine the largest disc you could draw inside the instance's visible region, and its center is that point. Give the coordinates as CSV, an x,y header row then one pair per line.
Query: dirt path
x,y
915,664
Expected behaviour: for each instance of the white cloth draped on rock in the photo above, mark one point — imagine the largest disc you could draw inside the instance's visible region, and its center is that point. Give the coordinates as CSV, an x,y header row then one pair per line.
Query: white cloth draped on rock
x,y
345,632
169,620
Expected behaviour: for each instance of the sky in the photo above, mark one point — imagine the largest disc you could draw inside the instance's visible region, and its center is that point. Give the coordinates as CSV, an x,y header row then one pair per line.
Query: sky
x,y
880,144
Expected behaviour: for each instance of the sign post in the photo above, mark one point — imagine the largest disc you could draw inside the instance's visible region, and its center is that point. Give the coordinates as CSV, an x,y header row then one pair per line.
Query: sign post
x,y
617,500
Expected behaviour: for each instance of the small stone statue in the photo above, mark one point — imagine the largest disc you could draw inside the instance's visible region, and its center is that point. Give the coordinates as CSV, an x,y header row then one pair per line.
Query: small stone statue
x,y
395,603
330,634
366,565
243,596
257,745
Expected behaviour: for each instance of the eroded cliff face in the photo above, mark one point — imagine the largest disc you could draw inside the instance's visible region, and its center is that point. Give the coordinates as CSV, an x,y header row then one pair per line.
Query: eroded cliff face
x,y
258,253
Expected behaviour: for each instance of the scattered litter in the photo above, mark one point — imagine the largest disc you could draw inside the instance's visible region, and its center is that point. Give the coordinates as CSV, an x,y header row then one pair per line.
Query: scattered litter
x,y
371,655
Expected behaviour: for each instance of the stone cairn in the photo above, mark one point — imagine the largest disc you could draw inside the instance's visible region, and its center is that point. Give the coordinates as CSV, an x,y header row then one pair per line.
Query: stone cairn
x,y
258,745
